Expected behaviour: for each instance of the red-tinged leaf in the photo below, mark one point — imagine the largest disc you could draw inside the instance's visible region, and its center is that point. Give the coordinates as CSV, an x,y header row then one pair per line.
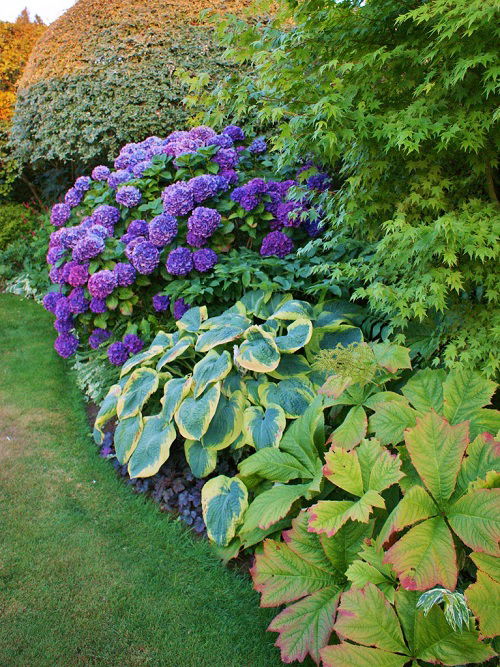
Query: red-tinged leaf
x,y
305,627
391,357
366,617
328,516
335,386
352,430
342,469
425,557
475,518
483,598
488,564
350,655
436,450
416,505
482,456
379,468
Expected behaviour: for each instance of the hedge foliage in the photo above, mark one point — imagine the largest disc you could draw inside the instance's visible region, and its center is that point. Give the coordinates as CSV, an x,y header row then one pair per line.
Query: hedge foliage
x,y
104,74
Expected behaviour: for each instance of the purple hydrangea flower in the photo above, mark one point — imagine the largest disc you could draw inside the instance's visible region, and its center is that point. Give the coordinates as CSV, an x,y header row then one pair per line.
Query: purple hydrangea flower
x,y
100,173
202,132
195,240
78,304
221,140
180,262
319,181
71,235
176,136
248,196
162,230
78,275
226,178
50,301
180,307
73,197
66,345
226,158
98,337
203,187
118,354
116,178
235,132
204,221
178,199
65,269
60,214
258,146
161,303
276,243
107,216
125,274
64,326
132,244
55,254
99,230
88,247
204,259
139,168
138,228
83,183
98,306
133,343
62,309
102,283
128,196
145,257
55,276
288,213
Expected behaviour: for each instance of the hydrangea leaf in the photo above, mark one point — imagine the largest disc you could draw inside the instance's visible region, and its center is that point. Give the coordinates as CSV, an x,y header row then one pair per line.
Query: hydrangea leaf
x,y
305,626
482,456
488,564
258,352
327,516
176,351
271,506
390,421
293,310
218,336
226,424
174,392
106,412
127,434
475,518
224,502
298,335
436,449
482,597
291,365
351,655
193,416
366,617
415,505
464,394
201,460
425,556
192,319
273,464
293,395
424,390
391,357
139,387
352,430
150,353
210,369
153,447
264,428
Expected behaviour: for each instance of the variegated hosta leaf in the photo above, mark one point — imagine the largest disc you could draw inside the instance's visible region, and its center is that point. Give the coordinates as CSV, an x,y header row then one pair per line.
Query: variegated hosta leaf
x,y
194,415
483,597
464,394
153,447
292,395
227,422
224,501
201,460
298,335
141,357
210,369
258,352
482,456
264,428
291,365
106,412
352,430
390,421
436,450
127,433
391,357
328,338
218,336
192,319
174,392
163,339
270,304
233,383
425,557
255,389
475,518
424,390
294,310
228,318
182,345
328,516
140,386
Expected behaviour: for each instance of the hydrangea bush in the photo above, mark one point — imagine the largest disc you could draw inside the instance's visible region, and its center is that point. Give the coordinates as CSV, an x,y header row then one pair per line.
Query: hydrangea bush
x,y
170,209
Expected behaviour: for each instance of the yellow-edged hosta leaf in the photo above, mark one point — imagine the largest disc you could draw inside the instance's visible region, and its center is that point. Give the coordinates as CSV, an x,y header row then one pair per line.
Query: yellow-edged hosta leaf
x,y
233,383
174,392
176,351
224,502
483,599
294,395
218,336
142,383
475,518
153,447
192,319
151,353
210,369
201,460
298,335
425,557
258,352
127,434
291,365
106,412
264,428
391,357
193,416
352,430
327,516
436,449
465,393
227,422
294,310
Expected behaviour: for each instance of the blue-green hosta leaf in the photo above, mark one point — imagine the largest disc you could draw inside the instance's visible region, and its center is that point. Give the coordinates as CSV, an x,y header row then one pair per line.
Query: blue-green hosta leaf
x,y
255,388
182,345
192,319
291,365
194,415
328,338
233,383
163,339
224,502
210,369
258,352
270,303
298,335
153,447
293,395
293,310
337,311
264,428
140,386
174,392
251,300
201,460
150,353
226,319
227,422
127,433
218,336
106,411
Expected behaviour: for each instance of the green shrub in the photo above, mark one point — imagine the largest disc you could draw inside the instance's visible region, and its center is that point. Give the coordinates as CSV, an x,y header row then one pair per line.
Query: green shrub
x,y
17,221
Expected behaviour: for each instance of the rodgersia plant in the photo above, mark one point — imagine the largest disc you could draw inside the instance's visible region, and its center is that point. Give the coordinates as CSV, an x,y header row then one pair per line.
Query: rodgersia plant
x,y
171,210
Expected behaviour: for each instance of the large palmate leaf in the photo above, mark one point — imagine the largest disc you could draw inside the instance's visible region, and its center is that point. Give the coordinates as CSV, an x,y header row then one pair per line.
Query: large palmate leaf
x,y
391,357
475,518
298,335
271,506
212,368
106,412
464,394
194,415
152,448
375,634
258,352
264,428
482,597
224,502
369,567
352,430
142,383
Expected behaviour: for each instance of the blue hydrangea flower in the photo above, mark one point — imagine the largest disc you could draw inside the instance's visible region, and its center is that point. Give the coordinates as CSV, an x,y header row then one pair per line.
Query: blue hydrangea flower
x,y
88,247
162,230
73,197
66,345
180,262
64,326
125,274
129,196
133,343
83,183
139,168
106,215
98,337
60,214
55,254
258,146
77,302
62,309
178,199
102,283
202,132
71,235
50,301
98,306
204,259
235,132
221,140
319,181
118,354
204,221
226,158
203,187
276,243
138,228
180,307
161,302
100,173
116,178
145,257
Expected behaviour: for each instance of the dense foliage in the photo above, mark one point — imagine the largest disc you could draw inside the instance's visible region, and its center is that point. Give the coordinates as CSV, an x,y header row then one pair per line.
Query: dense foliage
x,y
104,74
402,97
17,221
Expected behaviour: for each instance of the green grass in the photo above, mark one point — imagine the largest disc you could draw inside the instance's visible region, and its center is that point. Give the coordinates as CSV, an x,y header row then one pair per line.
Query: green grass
x,y
90,573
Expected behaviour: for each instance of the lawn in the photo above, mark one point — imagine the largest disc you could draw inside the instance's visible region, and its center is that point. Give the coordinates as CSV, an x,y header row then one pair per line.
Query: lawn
x,y
90,573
